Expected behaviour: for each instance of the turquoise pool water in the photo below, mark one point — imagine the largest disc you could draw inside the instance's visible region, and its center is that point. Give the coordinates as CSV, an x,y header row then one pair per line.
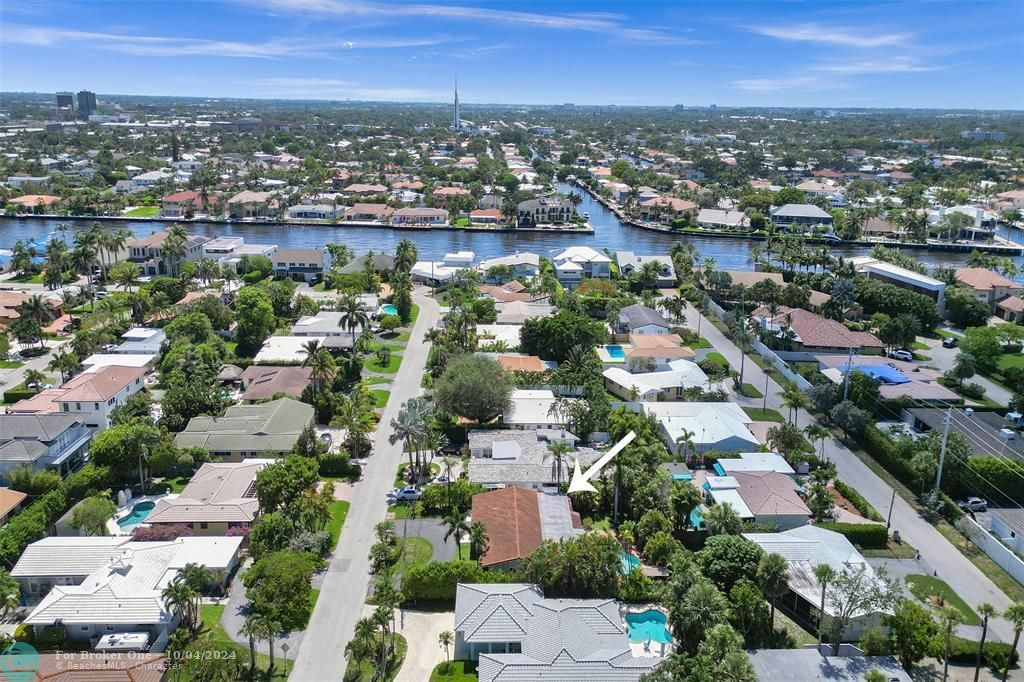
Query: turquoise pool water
x,y
389,309
137,515
648,625
615,351
629,562
696,518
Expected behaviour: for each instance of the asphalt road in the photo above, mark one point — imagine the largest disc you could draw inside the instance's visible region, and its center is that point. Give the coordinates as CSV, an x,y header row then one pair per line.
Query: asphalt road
x,y
343,593
950,565
943,358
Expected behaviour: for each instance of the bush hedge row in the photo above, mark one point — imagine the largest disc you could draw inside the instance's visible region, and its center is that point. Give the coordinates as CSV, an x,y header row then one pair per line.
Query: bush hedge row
x,y
963,650
1001,481
864,535
18,393
857,500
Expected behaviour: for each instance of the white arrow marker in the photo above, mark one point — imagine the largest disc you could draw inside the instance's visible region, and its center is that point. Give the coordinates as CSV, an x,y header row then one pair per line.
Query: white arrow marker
x,y
581,481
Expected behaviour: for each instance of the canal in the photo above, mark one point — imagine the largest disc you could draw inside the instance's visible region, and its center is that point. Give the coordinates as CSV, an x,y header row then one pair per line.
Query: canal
x,y
609,233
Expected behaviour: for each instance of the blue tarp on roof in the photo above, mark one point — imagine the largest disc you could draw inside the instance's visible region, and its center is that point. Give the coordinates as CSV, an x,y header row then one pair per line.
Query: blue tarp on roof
x,y
887,374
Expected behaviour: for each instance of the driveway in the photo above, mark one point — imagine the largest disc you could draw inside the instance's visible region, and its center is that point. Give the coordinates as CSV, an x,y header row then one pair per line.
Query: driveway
x,y
421,630
946,561
322,654
431,530
234,617
943,358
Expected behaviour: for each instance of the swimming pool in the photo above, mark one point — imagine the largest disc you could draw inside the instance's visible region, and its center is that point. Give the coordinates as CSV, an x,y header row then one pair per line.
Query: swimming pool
x,y
615,351
629,562
389,309
136,516
648,625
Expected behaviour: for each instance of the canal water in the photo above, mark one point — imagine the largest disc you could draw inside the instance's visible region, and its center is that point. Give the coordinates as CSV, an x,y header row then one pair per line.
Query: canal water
x,y
609,233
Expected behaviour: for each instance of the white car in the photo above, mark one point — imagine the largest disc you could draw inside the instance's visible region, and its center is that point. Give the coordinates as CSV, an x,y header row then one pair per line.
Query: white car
x,y
902,354
975,504
408,494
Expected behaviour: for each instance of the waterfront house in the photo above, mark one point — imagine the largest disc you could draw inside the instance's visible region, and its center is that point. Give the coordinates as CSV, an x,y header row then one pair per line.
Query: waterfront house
x,y
249,431
801,215
639,319
419,217
301,264
58,442
219,496
486,216
369,213
515,634
665,209
889,273
182,204
518,520
148,253
987,286
629,263
499,458
719,219
545,210
576,263
321,211
37,203
97,392
250,204
523,264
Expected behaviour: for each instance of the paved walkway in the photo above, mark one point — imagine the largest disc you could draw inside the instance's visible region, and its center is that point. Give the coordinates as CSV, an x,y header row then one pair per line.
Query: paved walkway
x,y
949,564
421,630
322,654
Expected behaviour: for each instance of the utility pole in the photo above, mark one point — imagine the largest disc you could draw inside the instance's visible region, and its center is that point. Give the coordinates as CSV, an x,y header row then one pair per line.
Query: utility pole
x,y
942,452
846,384
888,518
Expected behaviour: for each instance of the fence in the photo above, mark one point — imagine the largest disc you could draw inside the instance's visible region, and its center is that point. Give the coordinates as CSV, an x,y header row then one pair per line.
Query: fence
x,y
996,550
778,363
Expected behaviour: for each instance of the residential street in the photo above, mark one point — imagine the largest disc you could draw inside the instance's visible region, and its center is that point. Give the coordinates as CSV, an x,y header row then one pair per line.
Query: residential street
x,y
943,358
322,654
949,564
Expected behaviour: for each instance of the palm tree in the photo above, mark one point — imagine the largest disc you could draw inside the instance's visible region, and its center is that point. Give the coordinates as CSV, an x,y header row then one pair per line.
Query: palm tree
x,y
557,450
126,274
356,418
772,576
795,400
478,539
177,597
722,519
173,247
363,640
457,525
353,315
985,610
323,369
446,639
35,378
251,629
65,363
949,617
824,574
207,270
817,432
1015,614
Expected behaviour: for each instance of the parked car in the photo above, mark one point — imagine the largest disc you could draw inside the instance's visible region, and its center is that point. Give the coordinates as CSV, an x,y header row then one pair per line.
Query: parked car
x,y
950,342
902,354
408,494
975,504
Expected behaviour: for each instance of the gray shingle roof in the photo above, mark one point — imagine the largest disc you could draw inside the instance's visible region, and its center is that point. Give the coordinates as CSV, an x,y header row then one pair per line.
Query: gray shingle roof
x,y
270,427
638,315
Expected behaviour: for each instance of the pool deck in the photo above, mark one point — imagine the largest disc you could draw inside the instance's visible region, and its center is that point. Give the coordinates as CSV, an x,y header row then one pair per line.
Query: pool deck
x,y
114,529
607,358
643,649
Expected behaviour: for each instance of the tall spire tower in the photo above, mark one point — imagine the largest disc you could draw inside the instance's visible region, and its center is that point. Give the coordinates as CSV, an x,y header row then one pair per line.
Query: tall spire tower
x,y
455,122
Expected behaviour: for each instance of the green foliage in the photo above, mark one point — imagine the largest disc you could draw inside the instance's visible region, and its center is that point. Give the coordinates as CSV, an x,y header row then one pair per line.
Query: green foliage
x,y
552,337
635,587
256,320
437,580
33,483
1001,481
857,500
120,447
864,535
90,516
881,297
964,310
984,345
282,484
585,566
725,559
438,499
473,386
911,631
278,586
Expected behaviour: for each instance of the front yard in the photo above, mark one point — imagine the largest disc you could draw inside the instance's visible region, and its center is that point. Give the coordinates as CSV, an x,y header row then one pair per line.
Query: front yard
x,y
143,212
339,510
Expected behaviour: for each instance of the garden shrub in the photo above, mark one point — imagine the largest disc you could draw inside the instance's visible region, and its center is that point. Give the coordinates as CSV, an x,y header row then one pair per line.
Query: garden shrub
x,y
437,579
864,535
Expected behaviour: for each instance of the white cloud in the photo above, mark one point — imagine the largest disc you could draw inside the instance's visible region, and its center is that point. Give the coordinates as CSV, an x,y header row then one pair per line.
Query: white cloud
x,y
845,37
896,65
300,87
784,83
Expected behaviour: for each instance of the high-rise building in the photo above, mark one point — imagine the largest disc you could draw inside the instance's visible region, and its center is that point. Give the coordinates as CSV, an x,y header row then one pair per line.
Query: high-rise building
x,y
456,123
65,100
86,104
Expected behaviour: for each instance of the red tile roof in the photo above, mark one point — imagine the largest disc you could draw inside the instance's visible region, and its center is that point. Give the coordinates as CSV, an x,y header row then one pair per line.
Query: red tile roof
x,y
512,519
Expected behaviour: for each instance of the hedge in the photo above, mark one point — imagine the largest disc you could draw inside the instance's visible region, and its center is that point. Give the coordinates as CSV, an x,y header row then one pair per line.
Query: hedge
x,y
963,650
18,393
857,500
437,580
1001,481
864,535
34,521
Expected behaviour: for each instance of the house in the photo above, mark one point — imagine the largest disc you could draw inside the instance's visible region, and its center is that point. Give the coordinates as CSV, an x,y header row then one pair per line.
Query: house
x,y
522,458
325,323
507,334
10,502
419,217
93,395
96,586
148,253
58,442
367,213
302,264
761,497
143,180
1014,196
804,331
10,301
987,286
441,195
749,278
250,204
577,263
98,361
219,496
229,251
438,272
36,202
1011,309
699,427
647,352
524,264
800,215
800,665
182,204
638,319
895,379
880,228
532,409
141,341
512,362
804,549
903,278
629,263
91,667
277,350
515,634
657,386
486,216
311,211
544,210
665,209
260,382
719,219
753,461
518,312
519,519
359,189
269,429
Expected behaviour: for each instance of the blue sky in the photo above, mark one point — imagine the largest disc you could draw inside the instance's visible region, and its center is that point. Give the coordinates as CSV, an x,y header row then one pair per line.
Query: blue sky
x,y
761,53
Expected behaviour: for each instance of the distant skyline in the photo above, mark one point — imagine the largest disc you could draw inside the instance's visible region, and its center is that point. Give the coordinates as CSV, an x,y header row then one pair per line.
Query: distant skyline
x,y
915,53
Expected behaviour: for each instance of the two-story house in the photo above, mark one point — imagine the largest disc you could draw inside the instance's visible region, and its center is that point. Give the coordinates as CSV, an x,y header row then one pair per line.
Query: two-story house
x,y
577,263
58,442
306,265
92,396
544,210
988,286
801,215
148,253
249,204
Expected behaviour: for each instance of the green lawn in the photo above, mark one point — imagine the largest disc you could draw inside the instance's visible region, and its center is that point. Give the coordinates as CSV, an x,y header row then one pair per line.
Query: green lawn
x,y
27,278
462,222
377,345
716,356
211,631
339,510
10,364
143,212
925,586
177,484
380,396
374,365
417,552
413,314
764,415
403,510
455,671
699,343
370,381
1007,360
750,391
362,670
403,337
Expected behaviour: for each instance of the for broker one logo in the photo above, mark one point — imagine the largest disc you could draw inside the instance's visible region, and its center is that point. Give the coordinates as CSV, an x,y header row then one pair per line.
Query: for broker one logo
x,y
19,663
